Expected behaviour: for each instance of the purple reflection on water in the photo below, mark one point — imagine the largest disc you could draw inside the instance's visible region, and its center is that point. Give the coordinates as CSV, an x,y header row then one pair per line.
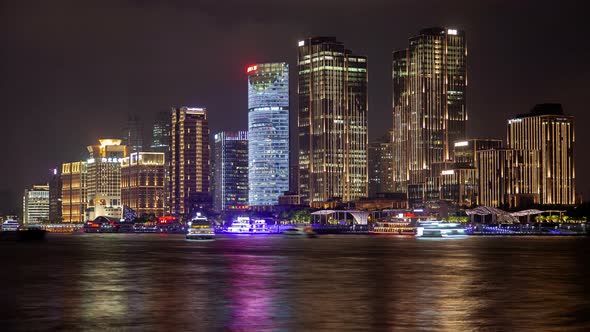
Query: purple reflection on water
x,y
252,293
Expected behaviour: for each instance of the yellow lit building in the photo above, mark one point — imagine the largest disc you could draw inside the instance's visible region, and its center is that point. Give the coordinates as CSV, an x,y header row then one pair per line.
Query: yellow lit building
x,y
548,131
104,179
73,192
508,177
143,182
429,106
190,160
332,121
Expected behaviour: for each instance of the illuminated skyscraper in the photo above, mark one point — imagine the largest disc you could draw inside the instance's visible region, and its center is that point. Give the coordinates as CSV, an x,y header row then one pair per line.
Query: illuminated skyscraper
x,y
55,195
104,179
380,166
161,143
429,98
142,182
36,205
161,133
332,121
73,192
231,170
268,132
133,134
189,162
549,131
508,177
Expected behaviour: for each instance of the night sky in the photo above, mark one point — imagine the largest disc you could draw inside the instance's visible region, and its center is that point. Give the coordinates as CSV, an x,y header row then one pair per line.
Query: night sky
x,y
71,71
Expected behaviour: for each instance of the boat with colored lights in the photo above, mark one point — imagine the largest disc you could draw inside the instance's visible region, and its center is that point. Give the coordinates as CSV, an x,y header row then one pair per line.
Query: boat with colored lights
x,y
239,226
260,227
200,229
394,227
438,229
10,225
243,225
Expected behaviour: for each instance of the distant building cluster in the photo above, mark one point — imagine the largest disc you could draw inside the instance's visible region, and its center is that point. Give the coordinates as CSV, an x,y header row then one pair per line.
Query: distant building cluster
x,y
426,158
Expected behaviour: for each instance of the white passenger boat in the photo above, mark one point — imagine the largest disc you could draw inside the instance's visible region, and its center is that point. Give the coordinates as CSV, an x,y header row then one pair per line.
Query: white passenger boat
x,y
439,229
200,229
10,225
240,226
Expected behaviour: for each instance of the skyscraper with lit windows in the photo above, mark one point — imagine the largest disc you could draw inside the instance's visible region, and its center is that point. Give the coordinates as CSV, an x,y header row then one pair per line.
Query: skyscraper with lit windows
x,y
36,204
189,164
73,192
550,132
104,178
231,170
142,182
429,104
332,121
268,133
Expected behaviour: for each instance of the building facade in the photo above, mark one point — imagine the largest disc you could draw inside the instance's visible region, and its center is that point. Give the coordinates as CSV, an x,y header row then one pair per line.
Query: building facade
x,y
429,104
380,154
55,195
104,179
332,121
189,164
73,192
549,131
161,132
508,177
465,151
231,170
36,205
133,134
268,132
143,182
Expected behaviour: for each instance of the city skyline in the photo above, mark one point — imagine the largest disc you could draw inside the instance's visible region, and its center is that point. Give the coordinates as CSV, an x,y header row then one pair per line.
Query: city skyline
x,y
488,109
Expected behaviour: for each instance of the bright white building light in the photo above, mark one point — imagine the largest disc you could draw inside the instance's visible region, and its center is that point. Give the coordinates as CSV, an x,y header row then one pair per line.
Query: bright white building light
x,y
462,143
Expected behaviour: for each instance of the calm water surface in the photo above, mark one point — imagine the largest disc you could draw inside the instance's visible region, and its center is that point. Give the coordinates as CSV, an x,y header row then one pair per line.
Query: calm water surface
x,y
333,283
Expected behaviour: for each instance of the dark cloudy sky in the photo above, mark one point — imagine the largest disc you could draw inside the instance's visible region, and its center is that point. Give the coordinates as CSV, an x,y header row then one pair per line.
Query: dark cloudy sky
x,y
71,71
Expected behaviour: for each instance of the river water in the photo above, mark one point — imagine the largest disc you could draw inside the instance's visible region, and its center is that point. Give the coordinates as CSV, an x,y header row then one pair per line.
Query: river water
x,y
270,283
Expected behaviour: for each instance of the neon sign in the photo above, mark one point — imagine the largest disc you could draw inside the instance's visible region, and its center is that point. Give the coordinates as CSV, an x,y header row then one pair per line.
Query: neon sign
x,y
251,68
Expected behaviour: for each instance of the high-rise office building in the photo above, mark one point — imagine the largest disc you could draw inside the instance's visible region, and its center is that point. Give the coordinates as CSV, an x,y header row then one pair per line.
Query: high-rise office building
x,y
508,177
231,170
549,131
189,162
73,192
332,121
36,204
161,143
268,132
55,195
142,182
104,178
161,133
465,151
380,166
133,134
429,104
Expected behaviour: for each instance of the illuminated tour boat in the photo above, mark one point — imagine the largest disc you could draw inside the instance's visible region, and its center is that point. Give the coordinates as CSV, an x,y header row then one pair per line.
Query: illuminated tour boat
x,y
394,227
438,229
260,227
10,225
240,226
200,229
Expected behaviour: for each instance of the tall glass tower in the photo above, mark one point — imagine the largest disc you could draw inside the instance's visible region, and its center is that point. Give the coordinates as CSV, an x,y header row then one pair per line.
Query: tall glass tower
x,y
268,132
332,121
